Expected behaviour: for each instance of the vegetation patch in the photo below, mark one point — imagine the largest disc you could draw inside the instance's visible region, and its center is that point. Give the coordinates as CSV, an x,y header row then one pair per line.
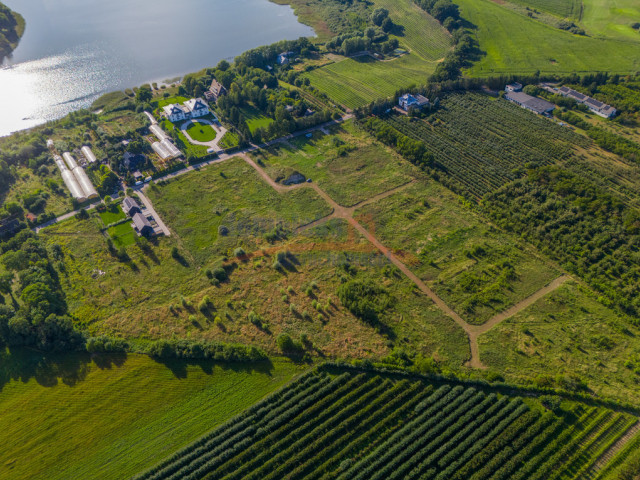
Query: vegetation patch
x,y
161,406
351,425
201,132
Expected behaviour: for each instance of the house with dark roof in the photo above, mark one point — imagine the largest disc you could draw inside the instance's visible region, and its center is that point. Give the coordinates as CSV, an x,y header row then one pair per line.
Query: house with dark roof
x,y
141,225
534,104
133,161
597,107
409,101
130,207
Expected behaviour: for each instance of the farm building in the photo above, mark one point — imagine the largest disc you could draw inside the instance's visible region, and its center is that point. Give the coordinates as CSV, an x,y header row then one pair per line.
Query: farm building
x,y
535,104
408,101
130,207
194,108
81,177
70,180
513,87
141,225
597,107
88,154
158,132
165,149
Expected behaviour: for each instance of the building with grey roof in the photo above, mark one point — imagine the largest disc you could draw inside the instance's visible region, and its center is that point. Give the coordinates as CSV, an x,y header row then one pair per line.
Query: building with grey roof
x,y
141,225
130,207
535,104
597,107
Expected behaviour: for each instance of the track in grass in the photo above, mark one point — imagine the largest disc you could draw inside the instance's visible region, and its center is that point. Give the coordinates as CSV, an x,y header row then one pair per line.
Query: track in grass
x,y
342,424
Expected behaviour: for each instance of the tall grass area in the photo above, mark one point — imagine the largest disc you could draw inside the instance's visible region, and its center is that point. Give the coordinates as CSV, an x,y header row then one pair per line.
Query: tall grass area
x,y
354,82
514,43
561,8
108,418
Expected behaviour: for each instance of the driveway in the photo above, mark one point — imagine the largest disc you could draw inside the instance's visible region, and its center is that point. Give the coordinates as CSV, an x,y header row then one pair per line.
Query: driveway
x,y
220,131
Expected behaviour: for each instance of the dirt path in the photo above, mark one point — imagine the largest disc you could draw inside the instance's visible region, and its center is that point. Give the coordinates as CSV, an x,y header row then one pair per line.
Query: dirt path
x,y
606,457
346,213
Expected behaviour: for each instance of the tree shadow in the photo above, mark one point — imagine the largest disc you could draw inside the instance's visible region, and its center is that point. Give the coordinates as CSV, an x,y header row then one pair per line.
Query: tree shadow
x,y
180,366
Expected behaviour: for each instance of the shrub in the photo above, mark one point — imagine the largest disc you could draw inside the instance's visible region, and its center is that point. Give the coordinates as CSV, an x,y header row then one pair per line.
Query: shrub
x,y
364,299
255,319
220,274
239,252
287,345
277,266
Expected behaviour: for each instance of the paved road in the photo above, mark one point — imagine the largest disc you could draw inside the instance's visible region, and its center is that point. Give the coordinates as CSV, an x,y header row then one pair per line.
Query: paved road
x,y
149,206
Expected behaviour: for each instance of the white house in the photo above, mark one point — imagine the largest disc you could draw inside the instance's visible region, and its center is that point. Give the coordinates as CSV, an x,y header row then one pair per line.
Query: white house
x,y
513,87
597,107
194,108
408,101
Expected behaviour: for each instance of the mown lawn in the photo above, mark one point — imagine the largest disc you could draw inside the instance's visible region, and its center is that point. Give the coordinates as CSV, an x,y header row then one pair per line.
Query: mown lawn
x,y
201,132
122,235
110,417
514,43
112,215
229,140
568,332
348,164
475,269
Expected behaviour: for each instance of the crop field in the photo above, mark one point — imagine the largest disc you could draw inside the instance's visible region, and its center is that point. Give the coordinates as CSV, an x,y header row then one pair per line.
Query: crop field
x,y
561,8
514,43
347,164
477,270
111,416
568,331
350,425
354,82
483,143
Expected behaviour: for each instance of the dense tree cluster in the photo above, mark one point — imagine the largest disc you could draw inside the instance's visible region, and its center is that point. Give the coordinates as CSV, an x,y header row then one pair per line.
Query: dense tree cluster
x,y
591,233
9,34
38,316
365,299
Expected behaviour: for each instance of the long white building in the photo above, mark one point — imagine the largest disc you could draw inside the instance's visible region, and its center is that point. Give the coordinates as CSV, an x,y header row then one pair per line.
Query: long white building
x,y
88,154
81,176
70,180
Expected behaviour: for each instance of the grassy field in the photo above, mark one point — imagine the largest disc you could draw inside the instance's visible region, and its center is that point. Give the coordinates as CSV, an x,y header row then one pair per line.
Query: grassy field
x,y
112,215
142,298
475,269
561,8
255,119
357,81
568,332
348,165
367,426
514,43
112,416
611,18
229,140
201,132
122,235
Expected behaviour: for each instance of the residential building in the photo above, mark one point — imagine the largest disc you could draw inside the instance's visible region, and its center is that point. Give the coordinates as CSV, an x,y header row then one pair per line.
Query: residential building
x,y
513,87
141,225
130,207
194,108
408,101
216,91
597,107
535,104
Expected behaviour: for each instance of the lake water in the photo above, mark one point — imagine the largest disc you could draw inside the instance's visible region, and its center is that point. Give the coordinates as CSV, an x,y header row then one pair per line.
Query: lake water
x,y
75,50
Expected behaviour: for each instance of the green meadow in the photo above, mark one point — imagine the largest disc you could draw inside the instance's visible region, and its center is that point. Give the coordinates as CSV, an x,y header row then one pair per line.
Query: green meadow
x,y
110,417
514,43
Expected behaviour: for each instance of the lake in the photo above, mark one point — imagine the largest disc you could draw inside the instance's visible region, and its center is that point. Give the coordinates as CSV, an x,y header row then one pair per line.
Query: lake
x,y
75,50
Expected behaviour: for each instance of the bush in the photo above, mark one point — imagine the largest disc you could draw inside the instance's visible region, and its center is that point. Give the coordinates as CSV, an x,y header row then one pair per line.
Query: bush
x,y
288,346
239,252
255,319
364,299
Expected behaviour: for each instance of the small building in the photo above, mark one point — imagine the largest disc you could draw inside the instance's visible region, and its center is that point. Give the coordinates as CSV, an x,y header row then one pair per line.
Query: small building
x,y
31,217
166,149
534,104
216,90
409,101
597,107
194,108
130,207
141,225
283,58
133,161
513,87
